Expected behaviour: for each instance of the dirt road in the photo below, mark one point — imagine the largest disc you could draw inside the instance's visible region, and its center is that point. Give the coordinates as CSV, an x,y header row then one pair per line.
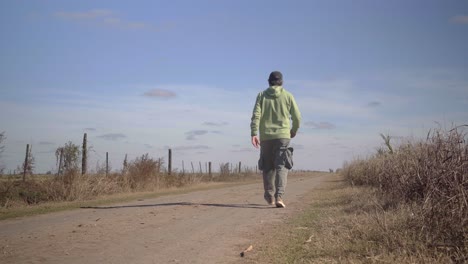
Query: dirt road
x,y
211,226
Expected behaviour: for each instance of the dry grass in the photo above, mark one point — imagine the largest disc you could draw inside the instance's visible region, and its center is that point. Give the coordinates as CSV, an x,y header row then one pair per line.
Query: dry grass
x,y
404,205
344,224
143,174
430,180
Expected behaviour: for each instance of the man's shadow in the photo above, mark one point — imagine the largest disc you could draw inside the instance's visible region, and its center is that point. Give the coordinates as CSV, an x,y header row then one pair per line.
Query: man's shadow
x,y
251,206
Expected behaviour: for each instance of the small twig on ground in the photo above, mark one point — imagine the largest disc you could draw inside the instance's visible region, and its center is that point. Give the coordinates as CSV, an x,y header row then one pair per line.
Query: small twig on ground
x,y
242,254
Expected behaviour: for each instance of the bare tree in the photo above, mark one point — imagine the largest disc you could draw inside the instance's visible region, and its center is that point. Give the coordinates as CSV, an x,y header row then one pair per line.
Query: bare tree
x,y
71,157
125,165
387,139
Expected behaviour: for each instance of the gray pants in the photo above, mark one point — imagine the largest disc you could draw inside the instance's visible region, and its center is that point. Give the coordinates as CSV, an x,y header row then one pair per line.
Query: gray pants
x,y
275,174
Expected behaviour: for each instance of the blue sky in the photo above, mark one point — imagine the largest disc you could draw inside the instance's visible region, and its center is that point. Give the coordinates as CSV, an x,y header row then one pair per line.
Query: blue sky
x,y
143,76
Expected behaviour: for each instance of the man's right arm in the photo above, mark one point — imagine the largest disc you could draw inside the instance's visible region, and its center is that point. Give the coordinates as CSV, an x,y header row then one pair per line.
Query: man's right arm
x,y
255,121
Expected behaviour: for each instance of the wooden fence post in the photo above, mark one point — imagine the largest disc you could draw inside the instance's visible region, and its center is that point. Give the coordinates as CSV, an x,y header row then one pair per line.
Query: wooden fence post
x,y
60,162
26,162
209,171
85,155
240,167
169,162
107,164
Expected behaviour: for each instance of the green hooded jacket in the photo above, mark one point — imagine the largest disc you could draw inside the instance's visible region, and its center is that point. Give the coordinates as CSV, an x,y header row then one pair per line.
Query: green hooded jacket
x,y
272,114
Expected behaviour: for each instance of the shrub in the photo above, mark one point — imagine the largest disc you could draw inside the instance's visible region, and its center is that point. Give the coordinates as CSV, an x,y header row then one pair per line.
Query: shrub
x,y
433,174
28,192
143,172
70,157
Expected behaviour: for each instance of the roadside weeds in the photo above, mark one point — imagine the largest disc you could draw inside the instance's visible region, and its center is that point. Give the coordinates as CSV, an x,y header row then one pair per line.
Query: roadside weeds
x,y
343,224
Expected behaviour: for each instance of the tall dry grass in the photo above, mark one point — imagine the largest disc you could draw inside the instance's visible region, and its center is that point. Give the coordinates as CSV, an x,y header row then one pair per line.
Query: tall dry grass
x,y
431,177
140,175
228,173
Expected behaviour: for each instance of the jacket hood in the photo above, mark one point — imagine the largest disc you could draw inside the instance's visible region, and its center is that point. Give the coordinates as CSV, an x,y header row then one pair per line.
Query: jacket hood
x,y
274,91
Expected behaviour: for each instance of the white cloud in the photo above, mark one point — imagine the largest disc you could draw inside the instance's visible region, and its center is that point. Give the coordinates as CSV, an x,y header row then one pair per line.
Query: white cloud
x,y
148,146
112,136
320,125
219,124
243,150
46,143
333,108
90,14
332,98
325,86
451,81
193,134
194,147
107,18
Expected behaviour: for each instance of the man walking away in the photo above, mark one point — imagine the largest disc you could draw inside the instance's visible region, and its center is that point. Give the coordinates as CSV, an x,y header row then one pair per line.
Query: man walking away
x,y
272,114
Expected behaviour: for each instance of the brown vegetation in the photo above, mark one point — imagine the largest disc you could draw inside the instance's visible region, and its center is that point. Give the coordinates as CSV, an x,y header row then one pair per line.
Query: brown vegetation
x,y
430,179
140,175
345,224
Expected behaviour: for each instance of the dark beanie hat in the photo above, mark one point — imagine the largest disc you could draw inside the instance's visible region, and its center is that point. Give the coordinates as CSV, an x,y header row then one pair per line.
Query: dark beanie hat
x,y
275,76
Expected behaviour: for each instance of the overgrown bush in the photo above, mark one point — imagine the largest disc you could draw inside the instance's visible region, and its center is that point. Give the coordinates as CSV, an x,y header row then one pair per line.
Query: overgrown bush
x,y
143,171
430,174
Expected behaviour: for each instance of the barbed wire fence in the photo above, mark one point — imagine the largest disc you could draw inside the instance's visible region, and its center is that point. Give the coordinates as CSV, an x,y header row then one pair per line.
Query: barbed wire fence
x,y
29,163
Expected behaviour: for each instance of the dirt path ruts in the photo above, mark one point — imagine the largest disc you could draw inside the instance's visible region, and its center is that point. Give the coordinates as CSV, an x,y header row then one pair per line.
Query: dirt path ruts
x,y
200,227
